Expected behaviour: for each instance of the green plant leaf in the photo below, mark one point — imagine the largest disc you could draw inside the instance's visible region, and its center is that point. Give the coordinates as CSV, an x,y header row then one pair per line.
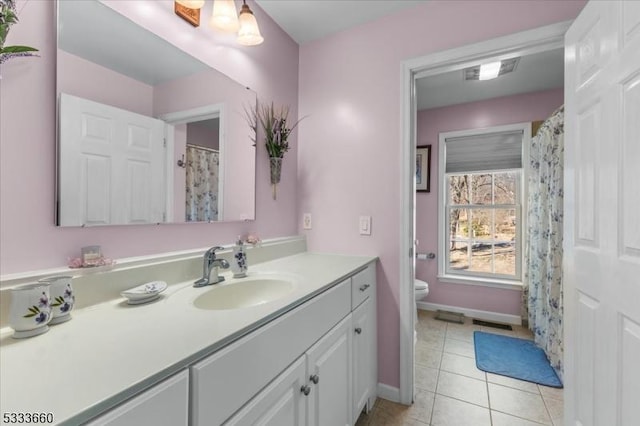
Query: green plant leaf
x,y
29,315
34,309
17,49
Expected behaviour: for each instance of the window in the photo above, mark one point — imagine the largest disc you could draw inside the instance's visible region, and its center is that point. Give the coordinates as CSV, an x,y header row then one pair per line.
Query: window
x,y
480,208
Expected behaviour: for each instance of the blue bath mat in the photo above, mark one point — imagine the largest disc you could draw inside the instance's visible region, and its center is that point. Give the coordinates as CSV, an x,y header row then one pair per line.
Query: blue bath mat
x,y
517,358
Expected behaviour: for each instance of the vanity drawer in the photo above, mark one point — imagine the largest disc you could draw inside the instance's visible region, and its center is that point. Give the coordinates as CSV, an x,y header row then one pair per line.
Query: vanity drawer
x,y
362,285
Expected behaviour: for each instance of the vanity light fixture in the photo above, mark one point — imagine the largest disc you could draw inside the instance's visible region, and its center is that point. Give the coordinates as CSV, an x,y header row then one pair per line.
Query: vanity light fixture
x,y
249,33
224,16
225,19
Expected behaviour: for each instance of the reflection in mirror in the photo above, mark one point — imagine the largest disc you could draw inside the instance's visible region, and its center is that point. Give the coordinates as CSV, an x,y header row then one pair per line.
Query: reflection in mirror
x,y
147,133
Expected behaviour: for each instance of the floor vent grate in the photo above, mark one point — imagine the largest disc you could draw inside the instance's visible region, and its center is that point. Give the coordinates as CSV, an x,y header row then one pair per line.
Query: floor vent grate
x,y
450,316
493,324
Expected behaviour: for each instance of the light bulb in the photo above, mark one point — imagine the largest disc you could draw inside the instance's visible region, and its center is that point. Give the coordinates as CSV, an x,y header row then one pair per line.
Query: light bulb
x,y
490,71
191,4
224,16
249,33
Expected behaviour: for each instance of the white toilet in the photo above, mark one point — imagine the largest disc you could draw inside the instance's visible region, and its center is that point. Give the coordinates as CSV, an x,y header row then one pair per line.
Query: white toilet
x,y
421,289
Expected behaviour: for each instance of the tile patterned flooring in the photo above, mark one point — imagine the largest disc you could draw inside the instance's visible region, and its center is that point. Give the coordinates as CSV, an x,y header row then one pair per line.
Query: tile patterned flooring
x,y
451,391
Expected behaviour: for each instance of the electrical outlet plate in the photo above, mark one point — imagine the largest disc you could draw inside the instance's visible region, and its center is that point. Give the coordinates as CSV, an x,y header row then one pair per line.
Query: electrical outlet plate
x,y
365,225
306,221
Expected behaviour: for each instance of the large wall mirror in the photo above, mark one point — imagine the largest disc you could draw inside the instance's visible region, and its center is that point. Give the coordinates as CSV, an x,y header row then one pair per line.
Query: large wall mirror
x,y
146,132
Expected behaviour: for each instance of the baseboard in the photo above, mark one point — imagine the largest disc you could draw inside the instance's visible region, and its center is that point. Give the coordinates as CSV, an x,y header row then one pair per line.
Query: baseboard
x,y
388,392
473,313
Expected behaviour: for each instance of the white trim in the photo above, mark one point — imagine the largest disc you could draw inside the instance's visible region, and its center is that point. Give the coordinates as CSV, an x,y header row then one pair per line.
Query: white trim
x,y
388,392
407,237
527,42
474,313
170,164
481,281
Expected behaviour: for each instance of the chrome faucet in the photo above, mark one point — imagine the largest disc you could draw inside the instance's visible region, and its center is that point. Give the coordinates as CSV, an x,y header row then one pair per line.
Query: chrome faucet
x,y
211,264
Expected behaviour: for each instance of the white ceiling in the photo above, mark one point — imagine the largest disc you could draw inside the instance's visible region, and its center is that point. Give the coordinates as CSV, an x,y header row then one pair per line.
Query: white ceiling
x,y
308,20
540,71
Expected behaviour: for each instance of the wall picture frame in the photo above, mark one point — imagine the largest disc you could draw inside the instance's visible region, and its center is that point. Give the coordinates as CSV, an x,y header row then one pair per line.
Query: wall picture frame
x,y
423,168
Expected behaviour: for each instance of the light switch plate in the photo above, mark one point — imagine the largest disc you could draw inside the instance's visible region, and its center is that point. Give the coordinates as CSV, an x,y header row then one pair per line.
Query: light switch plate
x,y
365,225
306,221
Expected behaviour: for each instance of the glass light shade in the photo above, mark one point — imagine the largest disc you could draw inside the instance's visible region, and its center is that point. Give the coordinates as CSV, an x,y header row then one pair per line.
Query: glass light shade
x,y
191,4
249,33
490,71
224,16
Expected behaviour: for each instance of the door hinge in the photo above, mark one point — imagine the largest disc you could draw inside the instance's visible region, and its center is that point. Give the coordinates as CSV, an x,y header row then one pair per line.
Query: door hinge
x,y
164,216
410,252
164,142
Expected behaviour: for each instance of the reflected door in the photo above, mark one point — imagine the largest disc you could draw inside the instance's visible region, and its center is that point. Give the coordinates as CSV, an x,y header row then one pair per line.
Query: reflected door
x,y
112,169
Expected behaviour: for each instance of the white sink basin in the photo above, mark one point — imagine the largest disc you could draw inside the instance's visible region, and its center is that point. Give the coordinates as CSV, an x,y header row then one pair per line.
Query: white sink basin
x,y
244,293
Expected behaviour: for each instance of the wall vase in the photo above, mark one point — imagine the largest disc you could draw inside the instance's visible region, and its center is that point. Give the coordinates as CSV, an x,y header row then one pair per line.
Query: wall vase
x,y
276,169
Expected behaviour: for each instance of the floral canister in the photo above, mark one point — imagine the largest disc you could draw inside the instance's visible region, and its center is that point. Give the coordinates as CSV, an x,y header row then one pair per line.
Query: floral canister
x,y
62,297
30,309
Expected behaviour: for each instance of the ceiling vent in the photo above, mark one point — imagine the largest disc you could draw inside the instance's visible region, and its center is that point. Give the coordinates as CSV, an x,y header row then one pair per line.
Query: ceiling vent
x,y
507,66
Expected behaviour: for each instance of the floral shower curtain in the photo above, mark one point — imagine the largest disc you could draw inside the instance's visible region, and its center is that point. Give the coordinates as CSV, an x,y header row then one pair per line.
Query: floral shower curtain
x,y
542,291
202,184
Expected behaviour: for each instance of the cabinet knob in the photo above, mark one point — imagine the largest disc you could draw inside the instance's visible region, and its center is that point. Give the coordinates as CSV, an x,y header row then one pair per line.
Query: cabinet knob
x,y
315,379
358,330
306,390
364,287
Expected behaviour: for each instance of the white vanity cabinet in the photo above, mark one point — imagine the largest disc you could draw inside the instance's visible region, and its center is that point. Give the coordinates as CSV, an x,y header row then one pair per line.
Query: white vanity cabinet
x,y
313,391
223,382
166,403
339,372
364,325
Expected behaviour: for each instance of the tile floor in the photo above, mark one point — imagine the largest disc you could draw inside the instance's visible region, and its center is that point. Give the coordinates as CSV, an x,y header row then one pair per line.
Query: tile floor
x,y
451,391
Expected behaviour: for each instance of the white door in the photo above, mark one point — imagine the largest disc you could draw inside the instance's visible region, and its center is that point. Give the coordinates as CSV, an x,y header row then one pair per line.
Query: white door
x,y
282,403
363,328
111,165
602,216
329,378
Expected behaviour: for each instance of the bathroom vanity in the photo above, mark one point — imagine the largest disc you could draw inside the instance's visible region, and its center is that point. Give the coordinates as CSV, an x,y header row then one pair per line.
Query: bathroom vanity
x,y
306,358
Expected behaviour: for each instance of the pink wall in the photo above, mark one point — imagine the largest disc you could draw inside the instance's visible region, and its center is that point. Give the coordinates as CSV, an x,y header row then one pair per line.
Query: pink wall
x,y
28,238
349,151
474,115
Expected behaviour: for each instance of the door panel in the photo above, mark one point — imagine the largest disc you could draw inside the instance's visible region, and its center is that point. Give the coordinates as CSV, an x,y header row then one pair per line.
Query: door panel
x,y
602,230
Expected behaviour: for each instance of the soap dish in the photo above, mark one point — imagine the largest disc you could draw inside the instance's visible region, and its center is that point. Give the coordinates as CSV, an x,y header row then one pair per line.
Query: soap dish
x,y
144,293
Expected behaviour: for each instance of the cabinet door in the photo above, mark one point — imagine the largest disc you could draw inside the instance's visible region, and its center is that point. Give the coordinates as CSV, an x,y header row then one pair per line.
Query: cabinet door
x,y
282,403
363,328
329,377
165,404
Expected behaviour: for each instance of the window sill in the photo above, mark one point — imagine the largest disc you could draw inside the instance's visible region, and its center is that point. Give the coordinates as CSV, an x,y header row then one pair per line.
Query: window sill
x,y
483,282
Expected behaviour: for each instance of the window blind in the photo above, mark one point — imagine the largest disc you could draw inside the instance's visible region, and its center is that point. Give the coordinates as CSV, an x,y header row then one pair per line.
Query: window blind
x,y
491,151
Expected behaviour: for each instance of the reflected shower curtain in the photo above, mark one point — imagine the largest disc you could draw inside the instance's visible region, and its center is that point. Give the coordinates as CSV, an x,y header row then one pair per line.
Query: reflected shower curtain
x,y
542,292
202,184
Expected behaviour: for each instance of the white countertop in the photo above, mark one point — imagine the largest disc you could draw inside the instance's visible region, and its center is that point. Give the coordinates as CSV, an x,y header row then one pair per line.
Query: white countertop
x,y
110,351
